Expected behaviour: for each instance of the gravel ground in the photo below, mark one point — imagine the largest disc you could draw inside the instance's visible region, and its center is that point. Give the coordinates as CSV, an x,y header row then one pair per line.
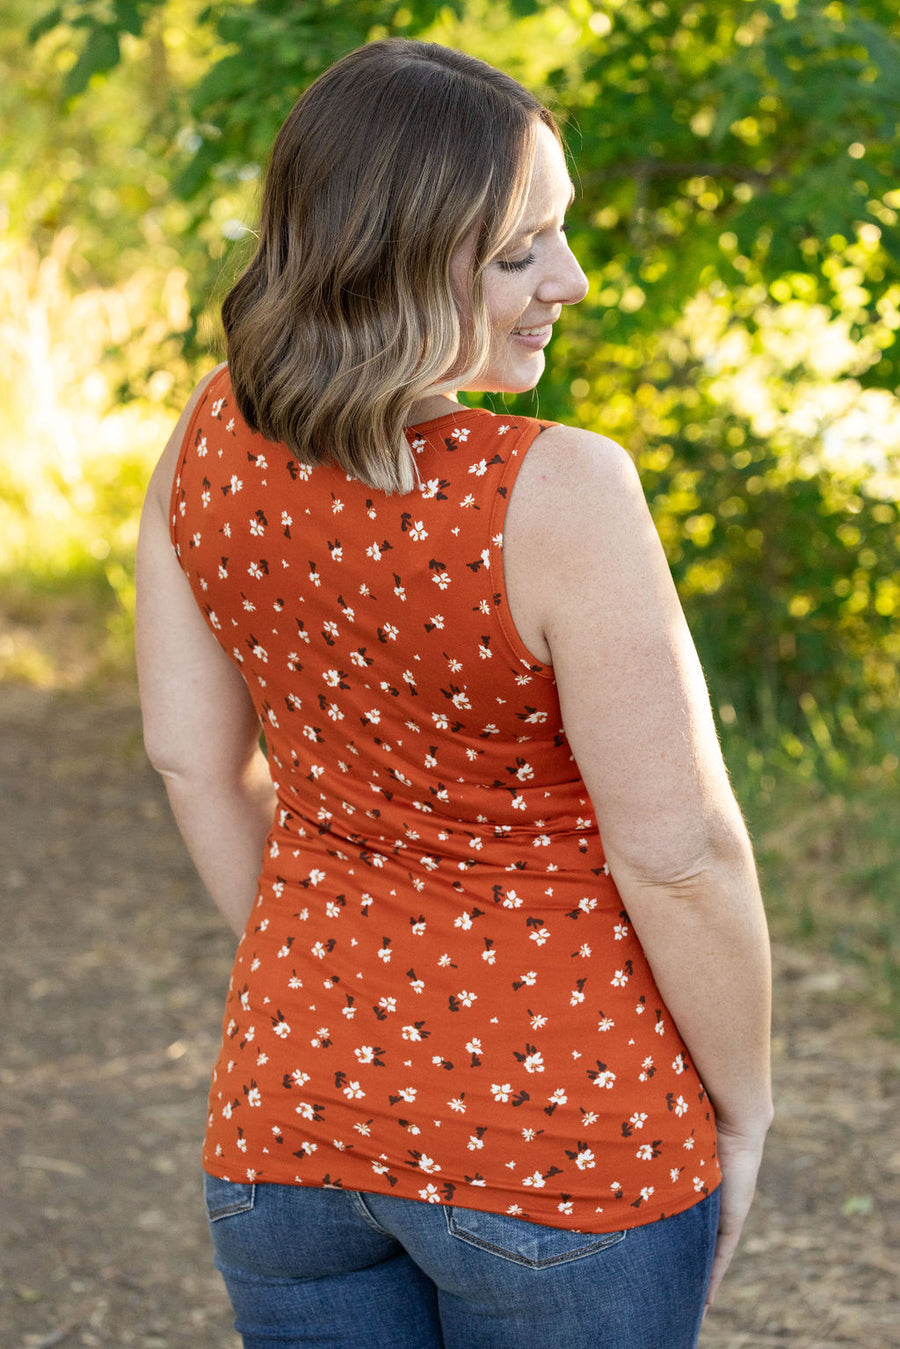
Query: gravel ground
x,y
112,973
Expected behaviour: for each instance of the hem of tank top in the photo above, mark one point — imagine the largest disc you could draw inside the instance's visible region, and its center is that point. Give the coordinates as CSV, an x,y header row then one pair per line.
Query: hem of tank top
x,y
212,378
511,635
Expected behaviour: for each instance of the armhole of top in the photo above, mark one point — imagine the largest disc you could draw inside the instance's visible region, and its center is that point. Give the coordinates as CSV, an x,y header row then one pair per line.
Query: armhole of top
x,y
186,441
527,659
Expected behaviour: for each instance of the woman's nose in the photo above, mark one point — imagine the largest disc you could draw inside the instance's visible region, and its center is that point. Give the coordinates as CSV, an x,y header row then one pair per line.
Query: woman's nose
x,y
565,282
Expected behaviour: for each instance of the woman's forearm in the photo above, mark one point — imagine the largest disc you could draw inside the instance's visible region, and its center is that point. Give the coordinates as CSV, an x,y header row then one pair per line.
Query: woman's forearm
x,y
224,825
706,940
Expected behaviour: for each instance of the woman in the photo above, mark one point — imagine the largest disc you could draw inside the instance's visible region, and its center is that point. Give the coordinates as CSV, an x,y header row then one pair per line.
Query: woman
x,y
480,1072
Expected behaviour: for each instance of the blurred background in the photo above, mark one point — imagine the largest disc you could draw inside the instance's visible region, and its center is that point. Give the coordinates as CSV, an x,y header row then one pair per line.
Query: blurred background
x,y
738,165
739,175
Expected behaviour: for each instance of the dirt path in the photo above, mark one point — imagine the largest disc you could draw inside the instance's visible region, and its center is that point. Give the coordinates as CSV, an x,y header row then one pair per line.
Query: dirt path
x,y
112,971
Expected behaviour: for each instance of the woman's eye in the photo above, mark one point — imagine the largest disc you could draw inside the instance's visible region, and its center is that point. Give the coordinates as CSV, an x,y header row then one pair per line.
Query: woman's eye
x,y
519,265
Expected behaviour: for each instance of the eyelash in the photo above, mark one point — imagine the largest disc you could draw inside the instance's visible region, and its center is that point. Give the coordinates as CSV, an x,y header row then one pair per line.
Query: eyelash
x,y
521,263
518,266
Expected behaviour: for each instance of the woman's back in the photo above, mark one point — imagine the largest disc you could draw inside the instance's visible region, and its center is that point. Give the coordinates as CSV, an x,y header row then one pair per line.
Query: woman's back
x,y
438,993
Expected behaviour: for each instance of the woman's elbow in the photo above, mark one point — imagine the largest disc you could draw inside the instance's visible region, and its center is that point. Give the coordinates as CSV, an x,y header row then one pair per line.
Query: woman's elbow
x,y
687,861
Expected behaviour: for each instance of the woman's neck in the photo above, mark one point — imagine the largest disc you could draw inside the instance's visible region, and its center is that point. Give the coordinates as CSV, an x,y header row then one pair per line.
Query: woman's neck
x,y
430,406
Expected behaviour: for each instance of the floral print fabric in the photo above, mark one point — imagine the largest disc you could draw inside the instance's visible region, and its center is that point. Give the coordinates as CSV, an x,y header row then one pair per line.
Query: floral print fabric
x,y
438,994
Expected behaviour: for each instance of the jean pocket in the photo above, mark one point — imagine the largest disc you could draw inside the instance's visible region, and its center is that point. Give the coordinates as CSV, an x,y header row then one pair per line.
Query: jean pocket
x,y
525,1243
225,1198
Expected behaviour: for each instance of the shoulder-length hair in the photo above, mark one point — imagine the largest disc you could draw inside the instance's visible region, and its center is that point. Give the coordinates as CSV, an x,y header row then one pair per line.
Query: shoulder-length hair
x,y
391,160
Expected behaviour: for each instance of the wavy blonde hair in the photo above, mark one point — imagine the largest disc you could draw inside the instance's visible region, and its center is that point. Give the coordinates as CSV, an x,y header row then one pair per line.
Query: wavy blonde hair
x,y
399,154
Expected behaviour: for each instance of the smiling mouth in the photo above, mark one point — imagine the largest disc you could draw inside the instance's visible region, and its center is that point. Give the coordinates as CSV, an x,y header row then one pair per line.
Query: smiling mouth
x,y
533,332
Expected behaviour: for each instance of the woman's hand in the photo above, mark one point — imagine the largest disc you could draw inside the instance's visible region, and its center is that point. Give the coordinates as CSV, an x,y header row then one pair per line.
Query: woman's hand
x,y
740,1155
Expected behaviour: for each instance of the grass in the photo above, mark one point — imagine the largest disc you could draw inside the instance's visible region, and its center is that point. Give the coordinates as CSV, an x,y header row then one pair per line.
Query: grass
x,y
826,830
75,458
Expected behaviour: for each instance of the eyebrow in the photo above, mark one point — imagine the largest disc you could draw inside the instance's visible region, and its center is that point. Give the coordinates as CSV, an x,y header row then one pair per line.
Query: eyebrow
x,y
545,224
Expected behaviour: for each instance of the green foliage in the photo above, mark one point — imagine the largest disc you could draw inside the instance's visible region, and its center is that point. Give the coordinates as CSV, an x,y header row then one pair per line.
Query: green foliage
x,y
736,143
736,158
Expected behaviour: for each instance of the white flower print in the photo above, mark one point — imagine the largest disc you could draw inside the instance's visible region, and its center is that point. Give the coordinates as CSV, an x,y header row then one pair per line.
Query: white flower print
x,y
535,1179
393,798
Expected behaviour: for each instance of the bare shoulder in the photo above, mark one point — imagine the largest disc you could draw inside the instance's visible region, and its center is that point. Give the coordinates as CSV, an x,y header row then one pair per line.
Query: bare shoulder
x,y
572,476
575,522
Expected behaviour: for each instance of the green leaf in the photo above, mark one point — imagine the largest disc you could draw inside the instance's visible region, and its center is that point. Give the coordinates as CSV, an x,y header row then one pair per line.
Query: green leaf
x,y
193,176
44,24
99,54
129,18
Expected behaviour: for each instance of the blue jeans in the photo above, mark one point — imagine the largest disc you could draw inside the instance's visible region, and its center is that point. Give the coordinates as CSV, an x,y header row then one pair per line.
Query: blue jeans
x,y
362,1271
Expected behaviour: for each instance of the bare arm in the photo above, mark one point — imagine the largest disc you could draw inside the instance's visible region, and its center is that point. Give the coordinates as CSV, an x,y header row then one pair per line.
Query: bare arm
x,y
591,590
200,727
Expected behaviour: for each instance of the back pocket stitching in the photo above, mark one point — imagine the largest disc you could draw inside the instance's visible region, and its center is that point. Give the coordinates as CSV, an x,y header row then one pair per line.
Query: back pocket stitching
x,y
218,1211
604,1241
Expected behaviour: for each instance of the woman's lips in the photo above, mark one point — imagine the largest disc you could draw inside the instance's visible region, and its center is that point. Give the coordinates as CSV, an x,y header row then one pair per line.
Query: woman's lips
x,y
534,338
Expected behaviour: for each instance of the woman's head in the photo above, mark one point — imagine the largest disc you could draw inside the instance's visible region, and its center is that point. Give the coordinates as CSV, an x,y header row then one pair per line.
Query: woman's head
x,y
395,179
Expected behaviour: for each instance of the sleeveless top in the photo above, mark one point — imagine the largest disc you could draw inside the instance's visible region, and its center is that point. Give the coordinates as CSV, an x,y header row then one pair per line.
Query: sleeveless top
x,y
438,994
